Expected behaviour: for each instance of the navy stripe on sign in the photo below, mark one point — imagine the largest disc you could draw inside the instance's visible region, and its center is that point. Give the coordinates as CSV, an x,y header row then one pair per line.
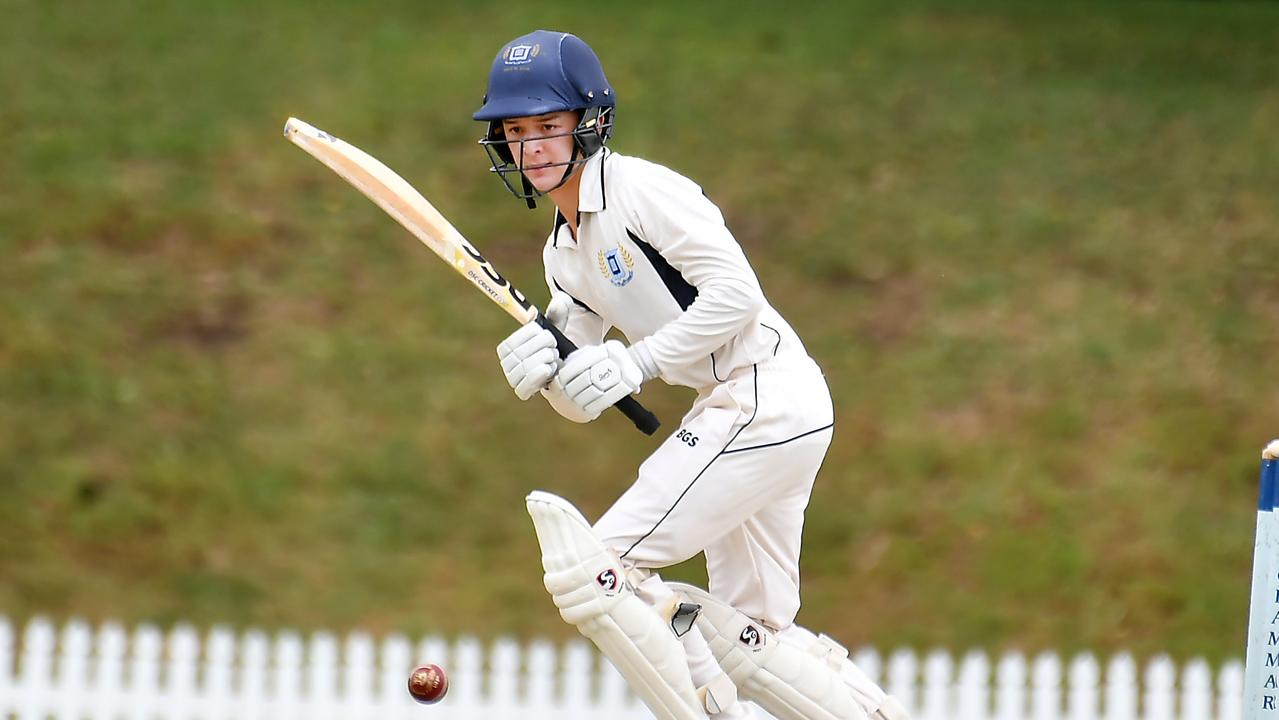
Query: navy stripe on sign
x,y
1269,479
681,290
702,471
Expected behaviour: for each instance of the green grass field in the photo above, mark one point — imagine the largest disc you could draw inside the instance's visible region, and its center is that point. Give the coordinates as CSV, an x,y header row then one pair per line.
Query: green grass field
x,y
1032,245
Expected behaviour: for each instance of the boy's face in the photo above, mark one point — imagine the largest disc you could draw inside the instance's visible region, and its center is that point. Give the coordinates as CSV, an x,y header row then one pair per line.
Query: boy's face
x,y
542,145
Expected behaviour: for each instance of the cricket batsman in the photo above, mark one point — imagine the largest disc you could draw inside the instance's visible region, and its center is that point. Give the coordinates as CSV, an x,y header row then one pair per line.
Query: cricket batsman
x,y
638,247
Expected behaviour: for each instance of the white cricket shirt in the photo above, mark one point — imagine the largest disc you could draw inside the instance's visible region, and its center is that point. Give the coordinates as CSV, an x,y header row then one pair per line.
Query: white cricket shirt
x,y
654,259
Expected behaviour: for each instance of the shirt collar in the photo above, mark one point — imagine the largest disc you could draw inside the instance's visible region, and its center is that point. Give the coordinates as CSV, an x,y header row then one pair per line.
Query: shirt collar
x,y
590,198
567,238
590,195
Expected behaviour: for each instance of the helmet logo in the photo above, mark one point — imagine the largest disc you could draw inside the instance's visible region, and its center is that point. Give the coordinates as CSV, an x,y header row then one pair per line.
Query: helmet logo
x,y
521,54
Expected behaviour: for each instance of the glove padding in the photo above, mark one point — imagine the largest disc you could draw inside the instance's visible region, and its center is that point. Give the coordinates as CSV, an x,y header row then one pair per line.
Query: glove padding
x,y
597,376
529,359
529,355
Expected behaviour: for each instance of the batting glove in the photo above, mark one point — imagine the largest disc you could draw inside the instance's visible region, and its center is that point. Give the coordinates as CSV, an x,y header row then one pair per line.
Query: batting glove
x,y
597,376
529,359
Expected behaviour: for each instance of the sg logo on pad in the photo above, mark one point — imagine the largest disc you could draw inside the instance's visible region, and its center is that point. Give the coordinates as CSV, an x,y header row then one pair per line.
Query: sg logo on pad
x,y
752,638
608,581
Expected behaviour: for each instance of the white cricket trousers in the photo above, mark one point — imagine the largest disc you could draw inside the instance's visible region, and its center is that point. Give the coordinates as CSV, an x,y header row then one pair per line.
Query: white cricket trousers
x,y
733,481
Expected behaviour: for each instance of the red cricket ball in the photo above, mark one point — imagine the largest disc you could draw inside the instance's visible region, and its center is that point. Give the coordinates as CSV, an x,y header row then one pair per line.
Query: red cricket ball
x,y
428,684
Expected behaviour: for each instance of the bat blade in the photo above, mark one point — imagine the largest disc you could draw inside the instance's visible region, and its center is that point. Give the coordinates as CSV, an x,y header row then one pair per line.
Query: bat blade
x,y
403,202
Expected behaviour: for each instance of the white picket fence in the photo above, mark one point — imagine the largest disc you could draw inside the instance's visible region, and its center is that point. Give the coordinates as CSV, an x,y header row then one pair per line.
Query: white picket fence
x,y
77,672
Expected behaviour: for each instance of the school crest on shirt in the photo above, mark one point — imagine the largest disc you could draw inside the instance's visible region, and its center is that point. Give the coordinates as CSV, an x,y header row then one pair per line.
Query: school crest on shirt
x,y
617,265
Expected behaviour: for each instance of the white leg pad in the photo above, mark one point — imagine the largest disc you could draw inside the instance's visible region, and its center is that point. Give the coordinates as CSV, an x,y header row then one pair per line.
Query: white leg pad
x,y
589,586
791,681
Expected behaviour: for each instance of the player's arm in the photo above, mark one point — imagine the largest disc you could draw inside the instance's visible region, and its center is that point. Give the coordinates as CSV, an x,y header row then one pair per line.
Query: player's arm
x,y
688,230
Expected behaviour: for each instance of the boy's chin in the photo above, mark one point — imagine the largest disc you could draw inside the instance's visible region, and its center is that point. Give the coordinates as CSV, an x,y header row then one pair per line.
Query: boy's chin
x,y
544,185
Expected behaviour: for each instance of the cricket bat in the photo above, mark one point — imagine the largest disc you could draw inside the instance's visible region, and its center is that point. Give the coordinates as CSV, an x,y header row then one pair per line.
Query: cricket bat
x,y
394,195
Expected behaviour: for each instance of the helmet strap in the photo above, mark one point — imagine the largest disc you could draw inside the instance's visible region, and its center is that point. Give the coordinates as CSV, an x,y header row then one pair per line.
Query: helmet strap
x,y
530,196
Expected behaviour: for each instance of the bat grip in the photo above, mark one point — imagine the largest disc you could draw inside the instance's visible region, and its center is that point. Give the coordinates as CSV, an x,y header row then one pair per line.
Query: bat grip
x,y
643,418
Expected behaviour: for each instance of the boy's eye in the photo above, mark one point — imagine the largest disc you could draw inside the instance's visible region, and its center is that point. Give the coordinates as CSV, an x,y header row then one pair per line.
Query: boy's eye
x,y
548,127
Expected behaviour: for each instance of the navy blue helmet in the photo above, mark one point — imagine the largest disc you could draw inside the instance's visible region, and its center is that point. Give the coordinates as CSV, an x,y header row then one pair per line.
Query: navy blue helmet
x,y
539,73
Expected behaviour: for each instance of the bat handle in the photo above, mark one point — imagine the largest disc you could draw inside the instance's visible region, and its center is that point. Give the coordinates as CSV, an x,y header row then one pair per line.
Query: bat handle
x,y
643,418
